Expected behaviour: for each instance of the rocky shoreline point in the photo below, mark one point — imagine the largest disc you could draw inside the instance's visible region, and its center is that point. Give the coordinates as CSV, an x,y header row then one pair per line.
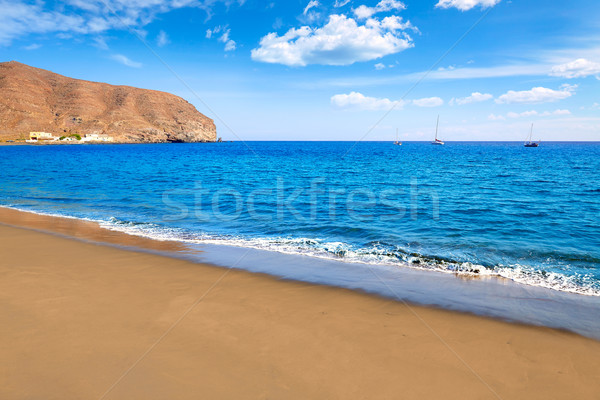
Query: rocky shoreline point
x,y
33,99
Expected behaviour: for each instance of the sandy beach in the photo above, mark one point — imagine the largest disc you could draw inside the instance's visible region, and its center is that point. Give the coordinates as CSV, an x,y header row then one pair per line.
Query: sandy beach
x,y
85,320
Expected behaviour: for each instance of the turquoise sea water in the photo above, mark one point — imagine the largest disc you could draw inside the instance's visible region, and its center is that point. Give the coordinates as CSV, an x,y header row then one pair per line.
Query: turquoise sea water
x,y
528,214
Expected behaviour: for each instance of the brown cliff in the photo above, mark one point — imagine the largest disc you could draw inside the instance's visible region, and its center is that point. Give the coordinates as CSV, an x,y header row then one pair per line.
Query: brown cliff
x,y
33,99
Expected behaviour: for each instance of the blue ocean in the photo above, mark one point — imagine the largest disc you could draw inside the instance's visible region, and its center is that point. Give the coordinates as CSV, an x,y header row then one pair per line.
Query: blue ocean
x,y
531,215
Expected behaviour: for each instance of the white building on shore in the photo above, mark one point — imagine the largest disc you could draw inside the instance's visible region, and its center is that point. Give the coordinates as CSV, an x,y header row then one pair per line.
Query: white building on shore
x,y
97,137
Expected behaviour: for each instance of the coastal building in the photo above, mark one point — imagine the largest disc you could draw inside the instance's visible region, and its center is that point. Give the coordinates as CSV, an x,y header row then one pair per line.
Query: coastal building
x,y
35,136
97,137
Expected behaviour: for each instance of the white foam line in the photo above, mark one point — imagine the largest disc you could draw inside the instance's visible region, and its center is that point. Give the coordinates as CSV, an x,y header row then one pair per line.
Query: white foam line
x,y
291,246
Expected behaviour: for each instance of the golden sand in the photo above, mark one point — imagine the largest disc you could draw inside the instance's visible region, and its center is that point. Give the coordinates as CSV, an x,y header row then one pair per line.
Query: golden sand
x,y
80,320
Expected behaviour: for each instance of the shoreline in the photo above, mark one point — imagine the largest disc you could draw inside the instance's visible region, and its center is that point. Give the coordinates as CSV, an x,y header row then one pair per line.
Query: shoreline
x,y
93,143
516,142
485,296
77,315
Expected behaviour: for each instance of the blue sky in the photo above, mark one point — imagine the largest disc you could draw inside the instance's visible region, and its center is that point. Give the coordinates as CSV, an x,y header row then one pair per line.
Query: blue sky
x,y
336,69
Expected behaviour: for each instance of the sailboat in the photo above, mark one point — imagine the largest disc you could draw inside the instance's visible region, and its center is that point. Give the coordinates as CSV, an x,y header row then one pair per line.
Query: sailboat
x,y
397,143
529,143
437,141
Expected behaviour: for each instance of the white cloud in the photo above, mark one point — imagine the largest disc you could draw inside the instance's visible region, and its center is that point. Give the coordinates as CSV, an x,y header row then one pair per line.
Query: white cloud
x,y
339,42
340,3
579,68
214,31
534,113
364,12
230,44
358,101
494,117
521,115
559,112
311,16
311,4
475,97
536,95
428,102
125,61
20,18
379,66
162,39
465,5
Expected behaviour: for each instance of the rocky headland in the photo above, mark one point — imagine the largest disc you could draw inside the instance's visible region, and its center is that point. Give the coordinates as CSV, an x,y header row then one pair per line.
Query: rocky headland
x,y
33,99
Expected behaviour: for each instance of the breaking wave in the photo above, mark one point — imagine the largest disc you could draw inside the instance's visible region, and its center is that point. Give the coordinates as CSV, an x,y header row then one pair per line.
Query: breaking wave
x,y
374,253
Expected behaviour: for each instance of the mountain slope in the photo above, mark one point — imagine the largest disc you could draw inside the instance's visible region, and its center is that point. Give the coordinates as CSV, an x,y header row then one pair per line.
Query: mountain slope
x,y
33,99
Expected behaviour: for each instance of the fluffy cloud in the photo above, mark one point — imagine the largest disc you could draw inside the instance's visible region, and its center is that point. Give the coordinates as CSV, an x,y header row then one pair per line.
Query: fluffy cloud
x,y
534,113
358,101
223,32
75,17
364,12
475,97
428,102
19,18
521,115
229,44
341,41
465,5
579,68
536,95
379,66
125,61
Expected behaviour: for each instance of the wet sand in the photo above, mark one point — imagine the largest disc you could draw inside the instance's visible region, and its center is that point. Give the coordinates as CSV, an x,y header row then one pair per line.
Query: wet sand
x,y
84,320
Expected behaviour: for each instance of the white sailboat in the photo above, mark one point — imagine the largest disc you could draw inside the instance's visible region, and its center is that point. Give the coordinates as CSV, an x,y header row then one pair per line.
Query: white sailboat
x,y
529,142
397,143
437,141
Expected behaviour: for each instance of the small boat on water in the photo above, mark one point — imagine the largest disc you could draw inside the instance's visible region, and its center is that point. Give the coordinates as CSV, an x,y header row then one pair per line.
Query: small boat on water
x,y
397,143
437,141
529,142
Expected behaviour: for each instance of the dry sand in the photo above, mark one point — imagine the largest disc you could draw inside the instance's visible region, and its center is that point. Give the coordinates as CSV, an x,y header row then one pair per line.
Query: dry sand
x,y
87,321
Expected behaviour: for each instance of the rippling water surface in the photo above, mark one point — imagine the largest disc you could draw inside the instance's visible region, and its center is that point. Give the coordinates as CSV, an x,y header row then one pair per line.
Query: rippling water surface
x,y
528,214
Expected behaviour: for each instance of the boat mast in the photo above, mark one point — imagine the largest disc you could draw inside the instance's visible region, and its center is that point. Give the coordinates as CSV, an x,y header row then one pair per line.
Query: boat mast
x,y
531,132
436,127
396,135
